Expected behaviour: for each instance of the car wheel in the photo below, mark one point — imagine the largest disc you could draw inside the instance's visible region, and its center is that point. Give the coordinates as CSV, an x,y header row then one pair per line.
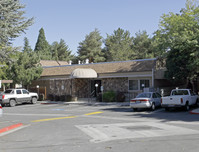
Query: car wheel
x,y
197,103
187,106
34,100
12,103
152,107
167,109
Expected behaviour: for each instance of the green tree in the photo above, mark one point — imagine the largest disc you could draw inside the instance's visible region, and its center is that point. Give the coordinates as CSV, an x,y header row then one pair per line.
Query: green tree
x,y
90,48
12,24
118,46
60,51
178,38
25,68
27,47
42,47
142,46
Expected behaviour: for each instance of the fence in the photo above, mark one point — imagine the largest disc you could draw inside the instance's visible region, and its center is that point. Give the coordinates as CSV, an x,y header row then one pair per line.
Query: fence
x,y
40,91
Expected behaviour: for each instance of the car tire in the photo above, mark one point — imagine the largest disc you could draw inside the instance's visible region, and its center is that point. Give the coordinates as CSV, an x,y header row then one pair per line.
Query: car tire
x,y
167,109
153,107
197,103
187,107
34,100
12,103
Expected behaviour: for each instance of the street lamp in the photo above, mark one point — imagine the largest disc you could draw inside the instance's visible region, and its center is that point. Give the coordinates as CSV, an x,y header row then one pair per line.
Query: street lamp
x,y
37,89
143,87
96,85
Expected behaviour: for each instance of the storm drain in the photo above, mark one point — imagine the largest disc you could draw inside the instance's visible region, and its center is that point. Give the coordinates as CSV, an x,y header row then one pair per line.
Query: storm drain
x,y
139,128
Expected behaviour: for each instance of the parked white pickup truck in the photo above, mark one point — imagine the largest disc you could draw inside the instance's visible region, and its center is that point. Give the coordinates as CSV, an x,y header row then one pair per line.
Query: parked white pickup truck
x,y
17,96
180,98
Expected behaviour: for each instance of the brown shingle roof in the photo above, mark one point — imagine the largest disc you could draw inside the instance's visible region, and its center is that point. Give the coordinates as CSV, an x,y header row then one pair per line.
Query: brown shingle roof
x,y
45,63
105,67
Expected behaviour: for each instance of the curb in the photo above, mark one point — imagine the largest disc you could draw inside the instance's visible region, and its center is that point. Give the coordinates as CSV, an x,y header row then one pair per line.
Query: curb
x,y
10,127
192,112
49,103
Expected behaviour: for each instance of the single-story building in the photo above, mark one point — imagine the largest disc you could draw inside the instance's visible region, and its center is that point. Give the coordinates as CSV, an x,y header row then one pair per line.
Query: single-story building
x,y
81,80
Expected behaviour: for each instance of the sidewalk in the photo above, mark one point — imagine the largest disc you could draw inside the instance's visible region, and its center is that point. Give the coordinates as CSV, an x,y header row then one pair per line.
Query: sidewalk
x,y
86,102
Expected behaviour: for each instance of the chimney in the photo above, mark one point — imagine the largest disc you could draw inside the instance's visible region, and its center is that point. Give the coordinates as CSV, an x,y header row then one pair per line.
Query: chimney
x,y
87,61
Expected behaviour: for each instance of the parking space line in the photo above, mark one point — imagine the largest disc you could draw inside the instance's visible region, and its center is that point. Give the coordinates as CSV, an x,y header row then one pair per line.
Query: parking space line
x,y
93,113
50,119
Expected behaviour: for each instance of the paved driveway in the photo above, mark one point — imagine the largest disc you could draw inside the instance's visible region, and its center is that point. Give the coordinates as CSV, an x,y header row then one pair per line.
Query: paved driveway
x,y
99,128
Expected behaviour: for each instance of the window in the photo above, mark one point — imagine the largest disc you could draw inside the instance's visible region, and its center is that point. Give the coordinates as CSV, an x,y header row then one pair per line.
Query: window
x,y
154,95
8,91
158,95
144,84
18,91
133,85
144,95
25,92
180,92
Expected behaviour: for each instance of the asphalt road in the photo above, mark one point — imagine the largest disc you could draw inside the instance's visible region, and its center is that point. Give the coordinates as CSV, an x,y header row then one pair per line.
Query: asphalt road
x,y
98,128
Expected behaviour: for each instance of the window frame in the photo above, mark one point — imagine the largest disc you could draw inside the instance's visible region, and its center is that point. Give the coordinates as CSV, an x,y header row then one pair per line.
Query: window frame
x,y
139,88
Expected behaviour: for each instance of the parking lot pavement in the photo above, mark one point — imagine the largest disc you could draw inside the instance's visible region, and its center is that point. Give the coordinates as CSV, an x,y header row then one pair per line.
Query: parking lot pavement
x,y
6,126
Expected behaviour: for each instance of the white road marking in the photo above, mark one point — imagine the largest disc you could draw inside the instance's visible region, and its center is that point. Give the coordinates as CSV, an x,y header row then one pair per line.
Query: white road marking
x,y
29,114
108,132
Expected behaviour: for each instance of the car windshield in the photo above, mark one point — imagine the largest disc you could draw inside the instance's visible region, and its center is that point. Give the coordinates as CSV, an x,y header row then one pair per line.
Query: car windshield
x,y
8,91
144,95
180,92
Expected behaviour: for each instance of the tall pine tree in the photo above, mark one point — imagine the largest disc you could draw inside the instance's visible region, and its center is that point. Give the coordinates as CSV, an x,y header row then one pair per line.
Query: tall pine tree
x,y
42,47
142,46
90,48
118,46
60,51
26,47
12,24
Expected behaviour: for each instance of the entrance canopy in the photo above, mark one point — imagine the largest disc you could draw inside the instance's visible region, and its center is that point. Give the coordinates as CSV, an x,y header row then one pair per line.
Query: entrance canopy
x,y
84,73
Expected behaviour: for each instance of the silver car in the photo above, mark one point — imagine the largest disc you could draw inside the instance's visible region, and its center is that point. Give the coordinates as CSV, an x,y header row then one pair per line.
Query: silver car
x,y
146,100
1,110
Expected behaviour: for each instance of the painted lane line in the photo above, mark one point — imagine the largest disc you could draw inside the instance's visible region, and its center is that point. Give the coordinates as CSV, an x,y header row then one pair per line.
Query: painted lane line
x,y
29,114
50,119
10,127
93,113
13,130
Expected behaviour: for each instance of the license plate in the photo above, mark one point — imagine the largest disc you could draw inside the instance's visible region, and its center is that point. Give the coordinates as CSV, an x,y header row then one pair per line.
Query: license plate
x,y
137,101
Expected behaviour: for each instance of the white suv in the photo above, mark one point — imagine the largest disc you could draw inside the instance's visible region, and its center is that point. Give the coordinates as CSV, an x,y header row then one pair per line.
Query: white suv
x,y
17,96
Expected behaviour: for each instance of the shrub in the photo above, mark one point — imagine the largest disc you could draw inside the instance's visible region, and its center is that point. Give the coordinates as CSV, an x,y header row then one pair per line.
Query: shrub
x,y
51,97
62,98
109,96
57,98
120,97
41,97
68,98
99,97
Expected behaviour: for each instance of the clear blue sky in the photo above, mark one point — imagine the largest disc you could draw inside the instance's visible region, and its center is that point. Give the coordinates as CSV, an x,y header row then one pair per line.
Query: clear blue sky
x,y
72,20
